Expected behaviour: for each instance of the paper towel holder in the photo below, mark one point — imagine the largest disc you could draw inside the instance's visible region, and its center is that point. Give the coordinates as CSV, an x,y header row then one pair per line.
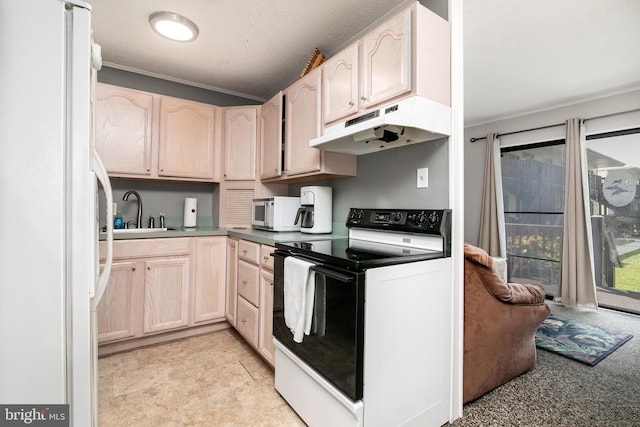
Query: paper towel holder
x,y
190,212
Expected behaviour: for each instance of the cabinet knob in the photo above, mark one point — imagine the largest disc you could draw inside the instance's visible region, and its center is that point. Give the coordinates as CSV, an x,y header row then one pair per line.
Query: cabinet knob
x,y
244,321
148,268
351,104
148,169
363,98
244,283
244,252
133,269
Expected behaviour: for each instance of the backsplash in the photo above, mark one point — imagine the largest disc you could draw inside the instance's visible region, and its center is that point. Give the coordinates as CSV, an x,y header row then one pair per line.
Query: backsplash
x,y
163,196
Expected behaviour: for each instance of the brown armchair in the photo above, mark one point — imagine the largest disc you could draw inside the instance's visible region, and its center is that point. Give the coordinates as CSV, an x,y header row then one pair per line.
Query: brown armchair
x,y
500,322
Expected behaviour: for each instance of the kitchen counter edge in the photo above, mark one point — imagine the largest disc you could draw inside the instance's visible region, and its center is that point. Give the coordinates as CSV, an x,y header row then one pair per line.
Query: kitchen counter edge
x,y
257,236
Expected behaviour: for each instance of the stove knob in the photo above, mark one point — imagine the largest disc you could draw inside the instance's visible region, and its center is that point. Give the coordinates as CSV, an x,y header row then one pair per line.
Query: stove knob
x,y
433,219
357,214
396,216
421,218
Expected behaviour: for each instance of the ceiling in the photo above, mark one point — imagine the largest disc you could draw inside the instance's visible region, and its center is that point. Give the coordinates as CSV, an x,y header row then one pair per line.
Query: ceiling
x,y
520,56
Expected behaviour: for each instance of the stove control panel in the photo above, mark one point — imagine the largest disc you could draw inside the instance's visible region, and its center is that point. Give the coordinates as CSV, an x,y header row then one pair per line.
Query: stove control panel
x,y
430,221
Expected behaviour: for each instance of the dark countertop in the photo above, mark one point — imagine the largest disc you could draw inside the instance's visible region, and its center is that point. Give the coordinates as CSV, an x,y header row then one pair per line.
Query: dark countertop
x,y
258,236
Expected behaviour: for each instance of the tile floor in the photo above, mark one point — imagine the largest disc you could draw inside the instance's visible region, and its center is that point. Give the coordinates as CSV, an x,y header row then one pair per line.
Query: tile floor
x,y
209,380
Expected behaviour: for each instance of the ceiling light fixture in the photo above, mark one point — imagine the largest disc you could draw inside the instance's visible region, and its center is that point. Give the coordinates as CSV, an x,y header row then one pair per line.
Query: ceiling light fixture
x,y
173,26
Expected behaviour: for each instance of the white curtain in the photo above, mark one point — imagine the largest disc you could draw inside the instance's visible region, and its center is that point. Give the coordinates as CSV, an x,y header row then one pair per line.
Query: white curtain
x,y
492,230
577,280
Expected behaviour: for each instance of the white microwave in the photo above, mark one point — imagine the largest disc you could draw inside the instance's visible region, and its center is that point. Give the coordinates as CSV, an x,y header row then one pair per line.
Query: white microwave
x,y
276,213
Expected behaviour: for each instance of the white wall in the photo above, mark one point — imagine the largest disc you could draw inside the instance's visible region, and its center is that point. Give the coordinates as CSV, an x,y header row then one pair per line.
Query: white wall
x,y
474,152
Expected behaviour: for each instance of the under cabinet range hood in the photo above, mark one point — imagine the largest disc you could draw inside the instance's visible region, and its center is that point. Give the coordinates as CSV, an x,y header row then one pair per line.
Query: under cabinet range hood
x,y
409,121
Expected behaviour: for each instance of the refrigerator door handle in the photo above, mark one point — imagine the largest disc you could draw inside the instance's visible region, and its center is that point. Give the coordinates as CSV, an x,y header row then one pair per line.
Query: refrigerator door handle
x,y
103,177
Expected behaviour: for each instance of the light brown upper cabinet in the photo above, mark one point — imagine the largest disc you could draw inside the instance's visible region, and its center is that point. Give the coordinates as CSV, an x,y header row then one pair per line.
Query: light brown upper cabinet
x,y
271,121
124,119
386,61
407,55
145,135
340,85
240,143
302,121
187,139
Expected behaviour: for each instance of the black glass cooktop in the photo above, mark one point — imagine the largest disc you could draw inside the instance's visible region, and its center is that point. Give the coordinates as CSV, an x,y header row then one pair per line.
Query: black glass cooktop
x,y
357,255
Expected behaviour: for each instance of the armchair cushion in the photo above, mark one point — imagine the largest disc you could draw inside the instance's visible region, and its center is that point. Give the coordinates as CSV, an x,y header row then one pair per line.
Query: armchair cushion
x,y
512,293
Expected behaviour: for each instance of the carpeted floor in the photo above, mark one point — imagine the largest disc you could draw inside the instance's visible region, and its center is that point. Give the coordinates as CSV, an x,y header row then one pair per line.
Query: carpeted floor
x,y
563,392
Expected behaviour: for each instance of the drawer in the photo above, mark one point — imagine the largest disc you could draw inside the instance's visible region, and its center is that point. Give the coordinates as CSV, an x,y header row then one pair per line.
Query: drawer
x,y
249,251
142,248
247,323
248,282
266,260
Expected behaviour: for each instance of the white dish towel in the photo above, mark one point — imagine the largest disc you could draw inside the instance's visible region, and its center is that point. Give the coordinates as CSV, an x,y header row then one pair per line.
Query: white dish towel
x,y
299,290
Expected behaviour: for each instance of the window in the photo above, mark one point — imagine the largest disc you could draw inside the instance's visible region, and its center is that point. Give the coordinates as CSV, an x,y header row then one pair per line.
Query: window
x,y
533,189
614,169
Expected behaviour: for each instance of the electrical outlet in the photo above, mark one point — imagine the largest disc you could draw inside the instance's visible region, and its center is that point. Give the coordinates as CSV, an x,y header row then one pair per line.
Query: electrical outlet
x,y
422,178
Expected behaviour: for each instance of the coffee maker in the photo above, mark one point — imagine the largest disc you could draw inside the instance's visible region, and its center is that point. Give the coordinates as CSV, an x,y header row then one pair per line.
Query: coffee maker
x,y
315,213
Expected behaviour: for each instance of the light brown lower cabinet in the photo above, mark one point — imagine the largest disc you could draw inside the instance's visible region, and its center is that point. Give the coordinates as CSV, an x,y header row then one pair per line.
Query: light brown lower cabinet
x,y
162,285
231,279
166,294
265,338
254,299
118,313
210,259
247,323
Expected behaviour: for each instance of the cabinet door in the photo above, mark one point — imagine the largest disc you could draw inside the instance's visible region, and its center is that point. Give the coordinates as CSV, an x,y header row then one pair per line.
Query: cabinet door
x,y
303,124
166,294
386,65
232,277
187,139
265,339
240,143
271,122
340,85
209,280
123,129
118,310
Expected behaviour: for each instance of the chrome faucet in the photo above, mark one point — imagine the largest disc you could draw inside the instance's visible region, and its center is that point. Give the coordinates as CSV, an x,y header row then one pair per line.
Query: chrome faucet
x,y
139,217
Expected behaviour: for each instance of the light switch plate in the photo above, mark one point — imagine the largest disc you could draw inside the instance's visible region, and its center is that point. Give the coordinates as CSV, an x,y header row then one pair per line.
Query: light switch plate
x,y
422,178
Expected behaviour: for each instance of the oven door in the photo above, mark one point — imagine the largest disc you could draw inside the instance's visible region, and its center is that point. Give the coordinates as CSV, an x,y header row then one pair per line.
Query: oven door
x,y
334,348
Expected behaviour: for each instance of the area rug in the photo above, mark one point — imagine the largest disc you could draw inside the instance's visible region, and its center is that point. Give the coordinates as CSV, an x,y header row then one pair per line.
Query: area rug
x,y
578,341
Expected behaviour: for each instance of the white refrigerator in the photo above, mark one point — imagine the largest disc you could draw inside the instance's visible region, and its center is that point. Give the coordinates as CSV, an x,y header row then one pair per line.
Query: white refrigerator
x,y
50,281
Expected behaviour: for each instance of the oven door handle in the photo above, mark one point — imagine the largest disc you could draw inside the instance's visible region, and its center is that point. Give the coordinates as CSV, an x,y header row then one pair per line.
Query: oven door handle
x,y
332,274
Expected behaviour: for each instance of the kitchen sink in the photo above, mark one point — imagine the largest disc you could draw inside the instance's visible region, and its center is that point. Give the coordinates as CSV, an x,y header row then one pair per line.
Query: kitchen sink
x,y
138,230
143,230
